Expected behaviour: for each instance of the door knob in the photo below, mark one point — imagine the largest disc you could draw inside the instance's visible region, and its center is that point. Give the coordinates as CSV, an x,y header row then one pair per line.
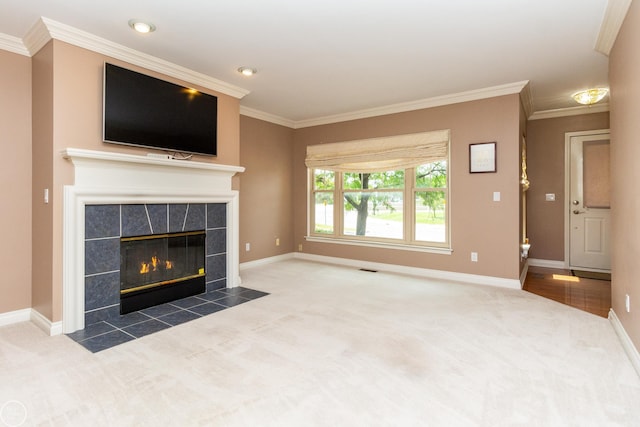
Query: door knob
x,y
576,202
576,211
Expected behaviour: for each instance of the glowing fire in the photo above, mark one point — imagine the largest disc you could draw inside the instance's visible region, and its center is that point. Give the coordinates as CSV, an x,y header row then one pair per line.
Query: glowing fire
x,y
154,264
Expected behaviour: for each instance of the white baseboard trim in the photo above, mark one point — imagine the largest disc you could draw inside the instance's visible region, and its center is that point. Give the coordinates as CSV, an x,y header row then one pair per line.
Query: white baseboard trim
x,y
31,315
626,342
49,327
265,261
414,271
16,316
547,263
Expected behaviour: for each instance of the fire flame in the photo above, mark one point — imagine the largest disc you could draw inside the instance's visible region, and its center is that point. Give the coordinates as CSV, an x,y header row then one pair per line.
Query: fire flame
x,y
154,264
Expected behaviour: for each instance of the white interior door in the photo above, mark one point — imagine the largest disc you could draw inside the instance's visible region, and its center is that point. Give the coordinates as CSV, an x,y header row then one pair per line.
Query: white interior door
x,y
589,202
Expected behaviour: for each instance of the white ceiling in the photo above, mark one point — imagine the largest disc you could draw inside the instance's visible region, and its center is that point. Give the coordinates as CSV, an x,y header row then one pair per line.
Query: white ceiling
x,y
325,58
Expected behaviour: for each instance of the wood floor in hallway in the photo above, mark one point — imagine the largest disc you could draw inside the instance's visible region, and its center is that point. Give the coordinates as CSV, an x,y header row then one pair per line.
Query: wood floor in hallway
x,y
590,295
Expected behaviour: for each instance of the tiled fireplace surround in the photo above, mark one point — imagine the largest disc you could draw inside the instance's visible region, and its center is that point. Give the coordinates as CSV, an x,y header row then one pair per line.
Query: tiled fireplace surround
x,y
128,195
106,224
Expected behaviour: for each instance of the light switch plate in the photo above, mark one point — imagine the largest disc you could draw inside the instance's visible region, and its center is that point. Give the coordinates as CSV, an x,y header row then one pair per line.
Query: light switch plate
x,y
550,197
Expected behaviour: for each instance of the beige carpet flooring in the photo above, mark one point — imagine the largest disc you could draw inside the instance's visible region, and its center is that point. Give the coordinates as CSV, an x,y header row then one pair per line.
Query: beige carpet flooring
x,y
335,346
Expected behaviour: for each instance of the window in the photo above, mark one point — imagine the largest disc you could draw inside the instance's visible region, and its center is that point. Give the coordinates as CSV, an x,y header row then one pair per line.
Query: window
x,y
323,191
372,204
387,191
431,195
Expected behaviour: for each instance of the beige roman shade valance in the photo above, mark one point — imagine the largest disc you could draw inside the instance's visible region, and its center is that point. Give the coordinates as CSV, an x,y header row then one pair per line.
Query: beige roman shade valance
x,y
380,154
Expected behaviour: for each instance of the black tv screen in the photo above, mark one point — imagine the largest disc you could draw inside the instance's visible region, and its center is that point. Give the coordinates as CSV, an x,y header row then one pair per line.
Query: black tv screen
x,y
147,112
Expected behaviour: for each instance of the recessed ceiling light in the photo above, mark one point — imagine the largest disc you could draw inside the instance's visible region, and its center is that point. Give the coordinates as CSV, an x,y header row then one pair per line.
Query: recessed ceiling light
x,y
590,96
141,26
247,71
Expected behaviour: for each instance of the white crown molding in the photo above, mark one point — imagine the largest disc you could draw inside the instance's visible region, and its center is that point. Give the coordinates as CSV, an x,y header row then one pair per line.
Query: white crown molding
x,y
272,118
472,95
572,111
46,29
13,44
527,100
611,24
521,88
37,37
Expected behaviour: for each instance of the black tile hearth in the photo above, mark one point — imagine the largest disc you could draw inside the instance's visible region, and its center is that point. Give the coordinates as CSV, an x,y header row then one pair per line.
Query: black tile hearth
x,y
105,341
141,329
117,330
179,317
207,308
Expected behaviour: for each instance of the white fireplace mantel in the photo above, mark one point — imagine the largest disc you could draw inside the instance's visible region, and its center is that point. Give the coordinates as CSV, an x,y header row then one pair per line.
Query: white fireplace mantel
x,y
114,178
96,168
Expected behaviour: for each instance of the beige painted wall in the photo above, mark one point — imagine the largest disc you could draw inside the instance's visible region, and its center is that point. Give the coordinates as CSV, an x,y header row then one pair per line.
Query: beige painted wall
x,y
624,69
478,223
42,91
74,102
545,158
266,210
15,177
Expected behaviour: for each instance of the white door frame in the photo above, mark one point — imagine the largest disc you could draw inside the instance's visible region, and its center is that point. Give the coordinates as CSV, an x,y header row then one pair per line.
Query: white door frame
x,y
567,186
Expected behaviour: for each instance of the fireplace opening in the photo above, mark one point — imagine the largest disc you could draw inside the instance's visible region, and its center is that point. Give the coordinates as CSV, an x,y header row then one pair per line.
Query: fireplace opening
x,y
160,268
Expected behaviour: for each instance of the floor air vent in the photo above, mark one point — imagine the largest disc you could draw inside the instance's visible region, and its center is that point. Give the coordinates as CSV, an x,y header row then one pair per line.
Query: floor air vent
x,y
368,270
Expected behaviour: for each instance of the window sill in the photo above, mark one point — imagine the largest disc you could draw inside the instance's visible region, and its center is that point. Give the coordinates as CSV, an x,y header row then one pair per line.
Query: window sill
x,y
382,245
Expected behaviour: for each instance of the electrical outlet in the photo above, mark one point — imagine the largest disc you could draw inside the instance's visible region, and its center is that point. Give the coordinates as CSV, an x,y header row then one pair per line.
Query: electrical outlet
x,y
627,303
300,248
247,247
496,196
474,256
277,241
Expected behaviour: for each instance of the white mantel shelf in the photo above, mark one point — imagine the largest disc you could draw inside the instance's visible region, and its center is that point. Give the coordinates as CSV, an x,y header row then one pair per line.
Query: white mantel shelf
x,y
106,156
78,155
102,177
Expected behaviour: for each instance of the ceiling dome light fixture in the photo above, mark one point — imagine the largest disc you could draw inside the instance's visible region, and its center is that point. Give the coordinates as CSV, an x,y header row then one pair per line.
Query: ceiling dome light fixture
x,y
141,26
590,96
247,71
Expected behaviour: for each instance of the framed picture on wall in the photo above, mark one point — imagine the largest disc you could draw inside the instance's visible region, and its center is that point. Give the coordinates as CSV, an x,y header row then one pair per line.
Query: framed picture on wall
x,y
482,157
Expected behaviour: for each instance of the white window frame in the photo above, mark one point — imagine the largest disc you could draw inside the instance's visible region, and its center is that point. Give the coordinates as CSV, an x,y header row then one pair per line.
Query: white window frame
x,y
408,242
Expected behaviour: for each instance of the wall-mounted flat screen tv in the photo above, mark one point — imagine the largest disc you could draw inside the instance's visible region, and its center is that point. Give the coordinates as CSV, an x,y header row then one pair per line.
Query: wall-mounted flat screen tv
x,y
144,111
